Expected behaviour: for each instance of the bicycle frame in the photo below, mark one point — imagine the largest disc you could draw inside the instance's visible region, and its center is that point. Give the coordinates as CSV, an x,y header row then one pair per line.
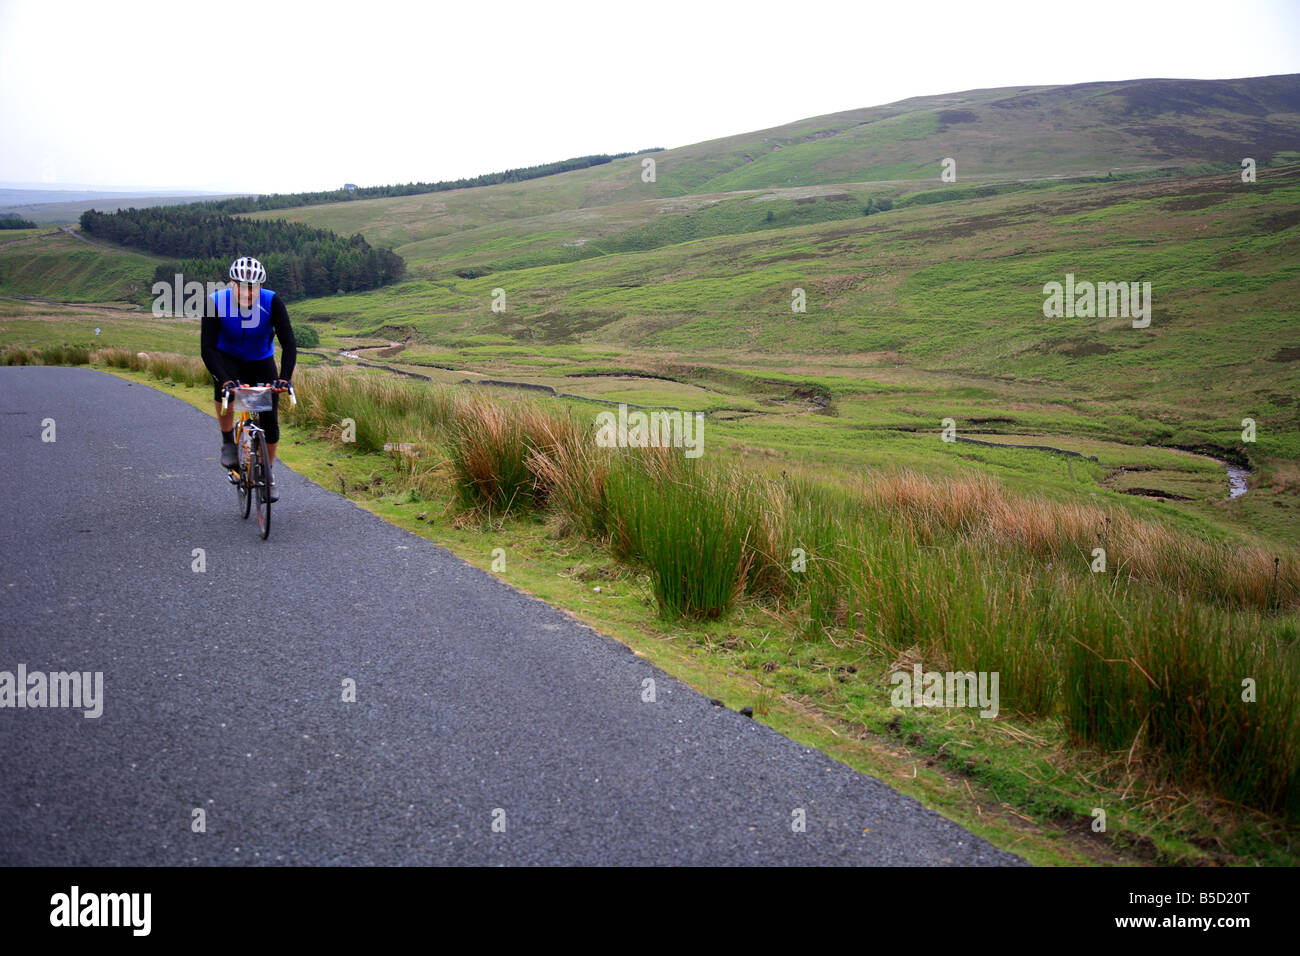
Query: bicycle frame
x,y
253,477
246,431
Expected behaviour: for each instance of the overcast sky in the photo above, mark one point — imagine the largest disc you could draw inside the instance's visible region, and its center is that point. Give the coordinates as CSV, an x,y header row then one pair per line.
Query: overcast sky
x,y
278,96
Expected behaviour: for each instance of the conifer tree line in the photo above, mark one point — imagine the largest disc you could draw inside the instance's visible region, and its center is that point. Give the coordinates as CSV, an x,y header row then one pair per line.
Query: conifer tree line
x,y
300,261
11,220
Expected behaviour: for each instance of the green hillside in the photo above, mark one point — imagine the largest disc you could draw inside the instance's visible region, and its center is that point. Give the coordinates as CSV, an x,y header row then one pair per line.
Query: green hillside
x,y
59,266
1012,133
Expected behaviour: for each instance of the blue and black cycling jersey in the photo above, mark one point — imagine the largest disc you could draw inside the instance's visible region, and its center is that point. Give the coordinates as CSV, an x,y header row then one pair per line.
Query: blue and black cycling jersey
x,y
230,338
239,347
244,333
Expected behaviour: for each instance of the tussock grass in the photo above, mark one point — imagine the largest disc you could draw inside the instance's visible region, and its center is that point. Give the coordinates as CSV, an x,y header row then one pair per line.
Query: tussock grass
x,y
575,474
978,508
691,525
50,355
493,448
381,411
66,355
490,447
117,358
972,580
20,355
1164,676
166,366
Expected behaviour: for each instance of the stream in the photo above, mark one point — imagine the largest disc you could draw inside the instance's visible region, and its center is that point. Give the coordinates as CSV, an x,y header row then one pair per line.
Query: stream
x,y
1236,480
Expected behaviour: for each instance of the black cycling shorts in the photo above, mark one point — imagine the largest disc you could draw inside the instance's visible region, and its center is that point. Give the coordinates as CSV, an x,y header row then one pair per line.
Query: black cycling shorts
x,y
255,372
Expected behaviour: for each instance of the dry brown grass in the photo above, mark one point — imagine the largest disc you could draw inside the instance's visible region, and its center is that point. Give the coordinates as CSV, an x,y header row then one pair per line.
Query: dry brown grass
x,y
496,450
1284,478
980,509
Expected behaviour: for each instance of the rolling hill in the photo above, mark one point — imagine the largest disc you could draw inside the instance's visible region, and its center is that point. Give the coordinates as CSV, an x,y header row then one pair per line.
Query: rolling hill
x,y
1019,133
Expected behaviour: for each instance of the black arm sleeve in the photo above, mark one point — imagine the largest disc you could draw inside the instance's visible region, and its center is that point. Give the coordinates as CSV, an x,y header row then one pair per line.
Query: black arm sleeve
x,y
284,332
208,333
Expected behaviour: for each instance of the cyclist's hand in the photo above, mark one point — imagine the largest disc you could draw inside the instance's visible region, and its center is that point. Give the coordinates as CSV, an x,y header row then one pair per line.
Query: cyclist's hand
x,y
282,384
229,385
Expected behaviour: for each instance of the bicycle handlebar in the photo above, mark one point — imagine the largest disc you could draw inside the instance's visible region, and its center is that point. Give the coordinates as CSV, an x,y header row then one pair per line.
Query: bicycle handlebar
x,y
260,386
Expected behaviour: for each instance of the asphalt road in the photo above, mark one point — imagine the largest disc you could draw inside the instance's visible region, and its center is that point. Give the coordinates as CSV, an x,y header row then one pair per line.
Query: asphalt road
x,y
475,705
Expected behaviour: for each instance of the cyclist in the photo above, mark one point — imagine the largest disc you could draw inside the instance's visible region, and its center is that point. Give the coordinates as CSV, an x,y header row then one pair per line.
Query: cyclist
x,y
239,324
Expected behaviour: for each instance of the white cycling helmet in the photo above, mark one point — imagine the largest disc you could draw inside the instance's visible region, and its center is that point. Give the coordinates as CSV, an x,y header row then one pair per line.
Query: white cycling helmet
x,y
247,269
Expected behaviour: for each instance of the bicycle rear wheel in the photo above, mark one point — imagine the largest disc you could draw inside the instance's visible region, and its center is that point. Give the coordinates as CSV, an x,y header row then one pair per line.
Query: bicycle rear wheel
x,y
242,487
262,491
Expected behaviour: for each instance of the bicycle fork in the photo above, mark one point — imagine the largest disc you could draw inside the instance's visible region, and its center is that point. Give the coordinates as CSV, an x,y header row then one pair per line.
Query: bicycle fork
x,y
243,471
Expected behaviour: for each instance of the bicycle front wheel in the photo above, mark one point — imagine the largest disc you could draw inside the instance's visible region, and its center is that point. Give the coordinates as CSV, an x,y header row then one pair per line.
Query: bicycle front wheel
x,y
242,487
262,491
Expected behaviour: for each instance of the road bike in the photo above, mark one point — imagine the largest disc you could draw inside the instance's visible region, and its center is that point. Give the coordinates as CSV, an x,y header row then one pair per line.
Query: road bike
x,y
252,475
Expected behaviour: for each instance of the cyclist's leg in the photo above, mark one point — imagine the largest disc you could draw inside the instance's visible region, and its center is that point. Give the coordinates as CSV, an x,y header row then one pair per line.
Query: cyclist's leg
x,y
227,418
226,421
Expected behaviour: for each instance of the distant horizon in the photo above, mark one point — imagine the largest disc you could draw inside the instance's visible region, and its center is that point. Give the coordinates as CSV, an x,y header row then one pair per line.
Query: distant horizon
x,y
119,189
